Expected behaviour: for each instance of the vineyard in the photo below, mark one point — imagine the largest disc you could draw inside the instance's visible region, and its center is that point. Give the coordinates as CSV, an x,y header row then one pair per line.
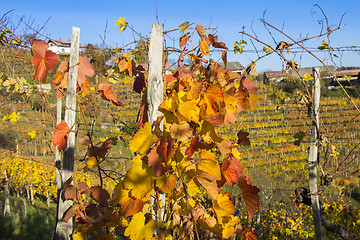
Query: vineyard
x,y
143,150
276,164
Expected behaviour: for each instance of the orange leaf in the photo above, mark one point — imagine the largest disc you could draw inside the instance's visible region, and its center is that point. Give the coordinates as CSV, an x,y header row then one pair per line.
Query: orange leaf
x,y
248,234
154,161
43,64
85,69
212,97
60,135
106,93
184,39
250,195
39,47
189,110
231,109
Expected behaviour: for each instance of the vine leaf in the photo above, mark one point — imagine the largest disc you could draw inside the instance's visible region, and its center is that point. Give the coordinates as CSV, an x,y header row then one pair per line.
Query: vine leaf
x,y
184,39
180,131
43,59
138,230
138,179
209,164
100,195
204,47
243,138
121,23
248,234
250,195
60,135
84,69
100,152
184,26
231,170
154,161
106,93
143,139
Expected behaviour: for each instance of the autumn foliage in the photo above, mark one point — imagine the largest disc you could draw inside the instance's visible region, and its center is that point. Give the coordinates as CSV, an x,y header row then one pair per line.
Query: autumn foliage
x,y
175,186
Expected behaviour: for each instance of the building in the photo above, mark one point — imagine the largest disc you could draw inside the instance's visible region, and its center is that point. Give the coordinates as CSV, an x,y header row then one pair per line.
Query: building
x,y
234,67
278,76
60,47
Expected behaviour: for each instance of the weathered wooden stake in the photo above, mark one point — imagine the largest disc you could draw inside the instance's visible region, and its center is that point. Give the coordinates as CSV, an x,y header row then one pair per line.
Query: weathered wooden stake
x,y
63,230
6,196
313,156
155,90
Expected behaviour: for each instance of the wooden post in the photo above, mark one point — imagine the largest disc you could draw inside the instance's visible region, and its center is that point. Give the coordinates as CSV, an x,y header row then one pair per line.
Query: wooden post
x,y
155,90
57,152
63,230
313,155
6,196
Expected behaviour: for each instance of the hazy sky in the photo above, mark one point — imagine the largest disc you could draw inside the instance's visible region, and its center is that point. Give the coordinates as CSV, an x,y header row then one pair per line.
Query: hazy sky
x,y
296,18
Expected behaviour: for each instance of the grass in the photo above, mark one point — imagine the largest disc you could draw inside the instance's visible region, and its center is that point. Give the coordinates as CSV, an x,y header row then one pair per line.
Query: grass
x,y
35,225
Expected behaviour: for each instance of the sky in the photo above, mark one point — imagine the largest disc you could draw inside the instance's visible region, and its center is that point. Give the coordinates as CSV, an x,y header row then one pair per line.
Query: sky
x,y
298,19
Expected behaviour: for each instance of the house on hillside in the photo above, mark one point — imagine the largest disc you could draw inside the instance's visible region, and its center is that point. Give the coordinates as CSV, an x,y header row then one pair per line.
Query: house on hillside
x,y
278,76
346,77
59,46
234,67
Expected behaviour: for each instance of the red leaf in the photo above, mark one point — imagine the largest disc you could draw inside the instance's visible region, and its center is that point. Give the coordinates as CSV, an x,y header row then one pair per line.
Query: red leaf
x,y
250,195
106,93
166,149
193,147
231,170
100,195
60,135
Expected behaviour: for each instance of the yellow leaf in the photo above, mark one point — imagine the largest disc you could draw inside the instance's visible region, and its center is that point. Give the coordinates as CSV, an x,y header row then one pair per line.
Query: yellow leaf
x,y
308,77
192,188
90,163
143,139
121,23
32,134
204,47
189,110
209,164
138,230
184,26
225,203
138,179
78,236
